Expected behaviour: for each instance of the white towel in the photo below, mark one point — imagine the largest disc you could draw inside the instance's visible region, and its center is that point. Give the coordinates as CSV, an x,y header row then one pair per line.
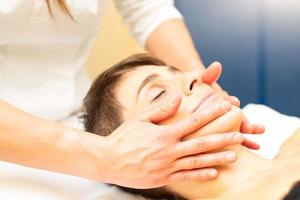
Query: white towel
x,y
279,128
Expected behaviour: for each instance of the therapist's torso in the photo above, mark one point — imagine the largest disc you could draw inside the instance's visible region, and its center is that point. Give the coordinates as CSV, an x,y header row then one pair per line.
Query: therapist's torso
x,y
41,57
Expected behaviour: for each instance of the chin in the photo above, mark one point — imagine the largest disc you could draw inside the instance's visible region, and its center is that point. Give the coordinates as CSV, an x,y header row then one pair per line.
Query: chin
x,y
229,122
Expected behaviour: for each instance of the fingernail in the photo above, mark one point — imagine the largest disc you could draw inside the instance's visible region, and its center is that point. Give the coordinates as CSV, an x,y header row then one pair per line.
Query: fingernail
x,y
225,105
235,99
260,126
238,137
212,173
231,156
249,128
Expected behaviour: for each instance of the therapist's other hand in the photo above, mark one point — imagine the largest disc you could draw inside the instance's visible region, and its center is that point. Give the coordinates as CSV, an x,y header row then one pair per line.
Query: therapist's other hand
x,y
211,76
143,154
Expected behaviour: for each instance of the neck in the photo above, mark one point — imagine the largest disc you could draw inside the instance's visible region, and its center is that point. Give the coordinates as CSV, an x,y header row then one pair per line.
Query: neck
x,y
247,166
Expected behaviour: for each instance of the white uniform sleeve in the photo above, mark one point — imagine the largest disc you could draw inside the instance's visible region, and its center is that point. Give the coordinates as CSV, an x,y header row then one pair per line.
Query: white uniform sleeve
x,y
144,16
13,17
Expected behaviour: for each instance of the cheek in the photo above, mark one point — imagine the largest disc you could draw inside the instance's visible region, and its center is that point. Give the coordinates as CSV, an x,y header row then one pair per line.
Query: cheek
x,y
180,115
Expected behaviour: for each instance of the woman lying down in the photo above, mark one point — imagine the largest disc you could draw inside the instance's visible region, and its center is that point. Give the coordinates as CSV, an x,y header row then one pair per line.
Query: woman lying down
x,y
134,84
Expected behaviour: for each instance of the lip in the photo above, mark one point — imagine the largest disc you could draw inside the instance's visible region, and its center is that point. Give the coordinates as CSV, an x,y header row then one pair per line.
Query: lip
x,y
202,100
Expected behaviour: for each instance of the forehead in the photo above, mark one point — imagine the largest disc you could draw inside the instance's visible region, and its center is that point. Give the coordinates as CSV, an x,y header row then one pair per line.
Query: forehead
x,y
141,74
129,85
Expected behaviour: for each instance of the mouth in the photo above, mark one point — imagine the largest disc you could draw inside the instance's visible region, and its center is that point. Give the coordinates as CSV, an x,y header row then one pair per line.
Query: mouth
x,y
202,101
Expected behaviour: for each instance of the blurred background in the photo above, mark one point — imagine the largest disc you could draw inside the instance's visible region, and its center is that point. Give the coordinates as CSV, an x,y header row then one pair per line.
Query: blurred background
x,y
257,41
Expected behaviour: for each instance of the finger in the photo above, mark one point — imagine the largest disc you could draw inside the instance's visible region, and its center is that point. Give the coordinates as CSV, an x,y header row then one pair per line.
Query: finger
x,y
216,86
251,145
246,127
212,73
258,129
234,100
197,120
214,99
162,111
193,175
207,143
205,160
249,128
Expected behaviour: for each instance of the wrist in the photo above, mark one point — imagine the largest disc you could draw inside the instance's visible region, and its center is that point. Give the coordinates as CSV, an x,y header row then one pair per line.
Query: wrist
x,y
192,64
97,151
86,154
196,65
96,155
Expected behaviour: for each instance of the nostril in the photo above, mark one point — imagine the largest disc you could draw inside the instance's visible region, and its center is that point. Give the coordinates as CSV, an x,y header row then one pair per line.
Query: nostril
x,y
192,84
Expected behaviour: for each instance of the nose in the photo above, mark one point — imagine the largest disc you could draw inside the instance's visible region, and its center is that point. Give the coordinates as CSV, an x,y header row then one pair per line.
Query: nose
x,y
191,81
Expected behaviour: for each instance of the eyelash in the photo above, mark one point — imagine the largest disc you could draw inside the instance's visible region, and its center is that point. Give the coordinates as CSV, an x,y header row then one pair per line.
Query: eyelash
x,y
161,93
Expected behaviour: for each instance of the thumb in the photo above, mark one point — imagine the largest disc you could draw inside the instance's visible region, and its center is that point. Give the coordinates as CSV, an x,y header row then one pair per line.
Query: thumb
x,y
162,111
212,73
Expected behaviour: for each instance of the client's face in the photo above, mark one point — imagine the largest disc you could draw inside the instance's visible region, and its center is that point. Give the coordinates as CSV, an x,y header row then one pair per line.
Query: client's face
x,y
150,85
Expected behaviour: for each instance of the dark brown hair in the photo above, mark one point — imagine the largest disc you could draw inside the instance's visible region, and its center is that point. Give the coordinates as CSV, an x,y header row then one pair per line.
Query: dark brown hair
x,y
62,5
103,111
294,193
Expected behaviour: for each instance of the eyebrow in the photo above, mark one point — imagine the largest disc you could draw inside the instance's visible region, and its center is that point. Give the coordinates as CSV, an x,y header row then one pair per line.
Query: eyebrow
x,y
146,81
173,69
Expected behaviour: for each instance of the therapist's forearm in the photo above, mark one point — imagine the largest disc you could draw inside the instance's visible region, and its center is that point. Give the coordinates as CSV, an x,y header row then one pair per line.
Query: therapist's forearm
x,y
38,143
172,43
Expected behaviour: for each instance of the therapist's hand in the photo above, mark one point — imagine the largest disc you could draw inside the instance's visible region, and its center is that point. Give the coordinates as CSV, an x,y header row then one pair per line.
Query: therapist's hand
x,y
210,76
142,154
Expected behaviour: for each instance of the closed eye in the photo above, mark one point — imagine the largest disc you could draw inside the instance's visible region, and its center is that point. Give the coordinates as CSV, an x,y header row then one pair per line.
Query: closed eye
x,y
159,95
